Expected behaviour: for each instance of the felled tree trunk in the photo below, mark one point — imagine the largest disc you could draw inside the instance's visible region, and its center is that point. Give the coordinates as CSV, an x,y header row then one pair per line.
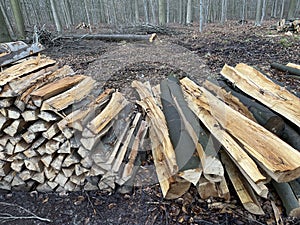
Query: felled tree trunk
x,y
284,68
114,37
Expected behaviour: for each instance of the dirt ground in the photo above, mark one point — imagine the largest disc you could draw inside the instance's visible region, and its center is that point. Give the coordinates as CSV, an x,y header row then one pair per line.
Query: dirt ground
x,y
112,64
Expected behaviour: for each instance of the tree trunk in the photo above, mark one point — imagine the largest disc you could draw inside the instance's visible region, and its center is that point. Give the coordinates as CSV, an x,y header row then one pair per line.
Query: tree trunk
x,y
223,13
146,12
263,11
55,17
258,12
189,12
4,34
162,12
201,17
136,11
282,9
18,18
292,8
154,20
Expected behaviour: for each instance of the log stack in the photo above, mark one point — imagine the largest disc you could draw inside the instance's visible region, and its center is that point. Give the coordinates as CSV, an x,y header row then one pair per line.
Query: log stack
x,y
289,25
57,133
57,136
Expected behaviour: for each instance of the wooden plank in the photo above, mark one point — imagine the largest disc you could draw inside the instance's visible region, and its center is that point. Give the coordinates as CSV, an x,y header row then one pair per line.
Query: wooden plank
x,y
255,84
71,96
277,158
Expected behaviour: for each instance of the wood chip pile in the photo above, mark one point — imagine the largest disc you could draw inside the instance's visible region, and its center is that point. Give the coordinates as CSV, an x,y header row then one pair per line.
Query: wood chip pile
x,y
58,134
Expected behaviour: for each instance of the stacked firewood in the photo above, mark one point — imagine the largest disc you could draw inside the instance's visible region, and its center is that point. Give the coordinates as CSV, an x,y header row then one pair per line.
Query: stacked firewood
x,y
59,133
289,25
56,135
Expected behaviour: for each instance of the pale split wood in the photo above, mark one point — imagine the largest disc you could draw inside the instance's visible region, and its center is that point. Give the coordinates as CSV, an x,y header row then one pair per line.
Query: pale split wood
x,y
158,124
56,87
23,68
20,85
229,99
277,158
129,166
207,189
296,66
255,84
239,156
114,107
71,96
125,147
75,118
212,167
242,188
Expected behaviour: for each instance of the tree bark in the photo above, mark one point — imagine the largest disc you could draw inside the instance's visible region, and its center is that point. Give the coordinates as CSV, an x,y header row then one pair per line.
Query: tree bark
x,y
292,8
201,17
4,34
55,17
18,18
162,12
259,5
189,13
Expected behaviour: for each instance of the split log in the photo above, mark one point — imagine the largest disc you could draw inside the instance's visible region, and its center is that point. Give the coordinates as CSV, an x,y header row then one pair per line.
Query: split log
x,y
73,95
293,65
24,68
115,105
291,70
242,188
264,90
182,134
54,88
171,184
277,158
207,189
265,117
289,201
113,37
21,53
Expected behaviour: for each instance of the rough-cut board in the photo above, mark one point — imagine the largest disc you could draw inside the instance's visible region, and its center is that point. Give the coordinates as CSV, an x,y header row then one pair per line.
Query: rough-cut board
x,y
277,158
255,84
73,95
24,68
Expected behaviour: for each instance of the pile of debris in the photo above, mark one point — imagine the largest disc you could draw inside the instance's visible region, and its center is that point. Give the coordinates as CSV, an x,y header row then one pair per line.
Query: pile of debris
x,y
289,25
58,134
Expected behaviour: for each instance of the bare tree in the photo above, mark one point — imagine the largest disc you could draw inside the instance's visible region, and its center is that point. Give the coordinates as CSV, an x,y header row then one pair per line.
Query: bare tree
x,y
162,12
15,5
224,11
282,9
55,16
201,16
292,8
259,6
145,5
4,34
189,12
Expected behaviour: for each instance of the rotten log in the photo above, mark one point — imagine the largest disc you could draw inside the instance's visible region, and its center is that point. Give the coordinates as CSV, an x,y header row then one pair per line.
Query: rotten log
x,y
113,37
284,68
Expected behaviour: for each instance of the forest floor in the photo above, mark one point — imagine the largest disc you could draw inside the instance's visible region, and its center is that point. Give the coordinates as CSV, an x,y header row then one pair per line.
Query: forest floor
x,y
112,64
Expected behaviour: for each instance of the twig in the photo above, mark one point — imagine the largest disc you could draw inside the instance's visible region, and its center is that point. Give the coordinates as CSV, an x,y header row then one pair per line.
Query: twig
x,y
7,216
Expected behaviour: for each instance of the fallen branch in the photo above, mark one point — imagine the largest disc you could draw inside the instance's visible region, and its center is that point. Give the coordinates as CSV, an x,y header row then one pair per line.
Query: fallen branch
x,y
7,216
